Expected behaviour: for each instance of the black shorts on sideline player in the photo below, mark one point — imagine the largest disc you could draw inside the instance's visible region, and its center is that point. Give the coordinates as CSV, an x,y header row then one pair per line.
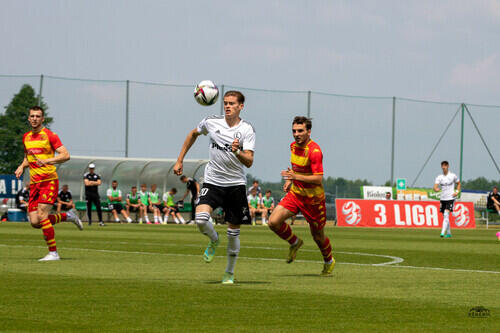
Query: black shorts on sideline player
x,y
446,204
116,206
232,199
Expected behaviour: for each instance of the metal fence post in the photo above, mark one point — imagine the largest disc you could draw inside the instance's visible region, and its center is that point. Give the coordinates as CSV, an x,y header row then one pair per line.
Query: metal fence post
x,y
309,104
462,143
39,98
127,87
393,138
221,97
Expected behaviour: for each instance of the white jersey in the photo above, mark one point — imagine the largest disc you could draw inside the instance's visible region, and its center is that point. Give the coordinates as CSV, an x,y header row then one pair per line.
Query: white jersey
x,y
447,184
224,168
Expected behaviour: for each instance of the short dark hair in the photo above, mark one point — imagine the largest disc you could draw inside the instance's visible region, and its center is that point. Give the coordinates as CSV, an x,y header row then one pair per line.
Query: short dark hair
x,y
183,177
38,108
303,120
114,181
134,187
65,185
255,181
494,187
445,163
268,191
173,190
239,96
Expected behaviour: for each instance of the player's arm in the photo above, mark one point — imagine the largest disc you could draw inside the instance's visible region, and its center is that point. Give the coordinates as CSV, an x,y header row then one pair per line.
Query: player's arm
x,y
197,188
61,157
190,140
289,174
185,195
20,169
244,156
436,187
459,187
287,185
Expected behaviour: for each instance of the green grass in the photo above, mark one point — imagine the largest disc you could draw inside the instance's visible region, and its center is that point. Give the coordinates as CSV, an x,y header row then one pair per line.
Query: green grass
x,y
141,278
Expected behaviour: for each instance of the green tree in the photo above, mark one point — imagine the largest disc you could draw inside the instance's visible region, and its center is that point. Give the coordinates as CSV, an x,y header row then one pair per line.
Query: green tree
x,y
480,183
13,125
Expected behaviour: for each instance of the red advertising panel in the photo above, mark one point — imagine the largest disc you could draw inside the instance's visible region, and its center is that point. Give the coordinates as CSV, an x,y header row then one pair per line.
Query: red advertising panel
x,y
401,214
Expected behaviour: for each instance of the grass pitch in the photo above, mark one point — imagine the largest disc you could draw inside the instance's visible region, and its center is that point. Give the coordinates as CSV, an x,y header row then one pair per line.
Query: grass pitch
x,y
142,278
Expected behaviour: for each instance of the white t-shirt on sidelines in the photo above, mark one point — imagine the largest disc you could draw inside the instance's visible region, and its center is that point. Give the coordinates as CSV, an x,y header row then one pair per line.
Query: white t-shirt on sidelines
x,y
447,184
224,169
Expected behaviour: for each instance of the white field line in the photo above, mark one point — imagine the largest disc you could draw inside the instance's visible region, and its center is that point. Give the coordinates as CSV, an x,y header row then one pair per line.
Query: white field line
x,y
261,259
394,260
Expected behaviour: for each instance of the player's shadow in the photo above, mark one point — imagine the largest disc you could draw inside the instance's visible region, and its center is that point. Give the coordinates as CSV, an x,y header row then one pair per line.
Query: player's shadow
x,y
237,282
303,275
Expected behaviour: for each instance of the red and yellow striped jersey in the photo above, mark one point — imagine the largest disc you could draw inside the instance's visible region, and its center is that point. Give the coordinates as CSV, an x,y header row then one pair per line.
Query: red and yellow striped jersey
x,y
307,161
41,145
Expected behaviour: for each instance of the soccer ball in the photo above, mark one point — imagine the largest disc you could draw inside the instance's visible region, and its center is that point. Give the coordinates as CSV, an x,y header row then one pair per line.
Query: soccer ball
x,y
206,93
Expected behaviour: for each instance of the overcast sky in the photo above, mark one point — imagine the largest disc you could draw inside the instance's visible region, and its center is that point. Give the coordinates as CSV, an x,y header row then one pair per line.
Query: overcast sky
x,y
432,50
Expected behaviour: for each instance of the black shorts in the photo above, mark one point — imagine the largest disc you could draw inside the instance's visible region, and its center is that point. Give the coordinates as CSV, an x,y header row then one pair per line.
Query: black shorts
x,y
159,206
133,209
447,205
116,206
232,199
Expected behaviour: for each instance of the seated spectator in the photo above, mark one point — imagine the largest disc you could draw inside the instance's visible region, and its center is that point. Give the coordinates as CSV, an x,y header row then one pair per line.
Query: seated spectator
x,y
155,205
64,200
133,202
144,204
22,197
388,196
257,188
256,207
268,203
115,202
171,208
494,200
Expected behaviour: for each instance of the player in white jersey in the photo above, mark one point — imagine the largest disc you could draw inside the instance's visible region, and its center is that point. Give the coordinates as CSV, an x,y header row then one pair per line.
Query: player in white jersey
x,y
446,184
231,147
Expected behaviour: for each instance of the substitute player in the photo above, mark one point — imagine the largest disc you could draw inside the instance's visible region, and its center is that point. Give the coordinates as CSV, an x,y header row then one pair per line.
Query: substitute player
x,y
305,193
40,144
446,183
231,147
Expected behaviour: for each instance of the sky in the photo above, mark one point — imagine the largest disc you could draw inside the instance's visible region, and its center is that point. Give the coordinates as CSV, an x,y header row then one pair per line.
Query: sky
x,y
430,50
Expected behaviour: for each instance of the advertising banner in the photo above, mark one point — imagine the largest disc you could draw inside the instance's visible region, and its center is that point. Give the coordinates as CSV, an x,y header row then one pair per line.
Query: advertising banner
x,y
9,186
401,214
375,192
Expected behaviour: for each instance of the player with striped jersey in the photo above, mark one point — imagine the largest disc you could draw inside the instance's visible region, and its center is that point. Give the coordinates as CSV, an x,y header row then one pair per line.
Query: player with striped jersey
x,y
40,146
305,193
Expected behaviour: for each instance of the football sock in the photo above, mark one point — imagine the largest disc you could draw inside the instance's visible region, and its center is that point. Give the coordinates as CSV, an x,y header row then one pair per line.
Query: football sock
x,y
446,222
176,220
129,220
140,220
326,250
160,219
56,218
165,218
147,218
117,220
49,234
263,220
182,219
206,227
156,218
233,248
285,232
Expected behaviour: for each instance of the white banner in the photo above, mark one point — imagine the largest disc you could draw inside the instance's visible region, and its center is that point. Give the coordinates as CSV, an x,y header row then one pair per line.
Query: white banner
x,y
376,192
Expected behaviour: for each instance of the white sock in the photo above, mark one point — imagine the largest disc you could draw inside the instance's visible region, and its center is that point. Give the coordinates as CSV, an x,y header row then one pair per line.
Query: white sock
x,y
233,248
263,220
182,219
117,220
147,218
165,218
140,220
206,227
176,220
156,218
446,223
129,219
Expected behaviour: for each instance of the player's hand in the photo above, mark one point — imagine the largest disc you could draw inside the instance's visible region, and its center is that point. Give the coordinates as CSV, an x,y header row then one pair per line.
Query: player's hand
x,y
288,174
286,186
41,162
454,194
236,145
178,168
19,172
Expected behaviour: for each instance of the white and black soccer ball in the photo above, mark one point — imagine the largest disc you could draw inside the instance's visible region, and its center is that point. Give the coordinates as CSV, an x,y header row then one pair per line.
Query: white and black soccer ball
x,y
206,93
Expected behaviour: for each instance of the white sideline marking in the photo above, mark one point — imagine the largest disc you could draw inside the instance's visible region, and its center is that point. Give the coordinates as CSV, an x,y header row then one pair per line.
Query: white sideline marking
x,y
263,259
394,260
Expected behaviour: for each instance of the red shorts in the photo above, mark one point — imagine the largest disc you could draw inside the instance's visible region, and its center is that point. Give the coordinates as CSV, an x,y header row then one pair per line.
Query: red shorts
x,y
43,193
315,214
